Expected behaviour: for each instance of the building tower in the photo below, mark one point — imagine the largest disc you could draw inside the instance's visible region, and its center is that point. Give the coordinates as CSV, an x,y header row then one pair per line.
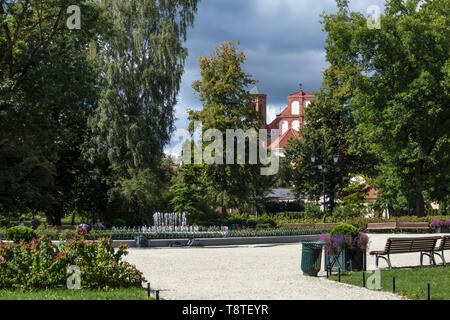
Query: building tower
x,y
260,103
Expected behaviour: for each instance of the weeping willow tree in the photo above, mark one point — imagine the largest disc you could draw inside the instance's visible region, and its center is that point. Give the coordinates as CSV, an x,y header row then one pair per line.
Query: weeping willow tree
x,y
142,65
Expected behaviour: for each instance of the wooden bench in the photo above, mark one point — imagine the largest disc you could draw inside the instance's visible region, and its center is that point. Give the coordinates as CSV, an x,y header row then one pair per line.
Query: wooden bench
x,y
413,226
382,226
444,244
424,245
298,225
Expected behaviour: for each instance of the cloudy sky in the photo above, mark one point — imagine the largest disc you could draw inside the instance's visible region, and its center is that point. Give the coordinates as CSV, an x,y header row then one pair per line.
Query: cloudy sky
x,y
282,40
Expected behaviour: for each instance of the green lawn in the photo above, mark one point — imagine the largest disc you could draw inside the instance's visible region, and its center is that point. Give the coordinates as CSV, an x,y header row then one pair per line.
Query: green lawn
x,y
410,283
82,294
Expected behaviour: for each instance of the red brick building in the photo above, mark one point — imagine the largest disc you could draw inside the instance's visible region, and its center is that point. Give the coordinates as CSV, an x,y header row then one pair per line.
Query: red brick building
x,y
288,122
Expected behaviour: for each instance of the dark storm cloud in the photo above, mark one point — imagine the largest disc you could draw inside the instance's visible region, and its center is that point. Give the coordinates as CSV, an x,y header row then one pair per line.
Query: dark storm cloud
x,y
282,40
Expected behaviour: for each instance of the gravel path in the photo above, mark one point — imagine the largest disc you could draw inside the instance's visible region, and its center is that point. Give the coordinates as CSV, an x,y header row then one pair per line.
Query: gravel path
x,y
250,273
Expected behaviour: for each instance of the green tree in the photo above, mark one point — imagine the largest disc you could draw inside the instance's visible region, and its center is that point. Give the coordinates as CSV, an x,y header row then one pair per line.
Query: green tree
x,y
329,132
401,93
227,104
48,87
143,62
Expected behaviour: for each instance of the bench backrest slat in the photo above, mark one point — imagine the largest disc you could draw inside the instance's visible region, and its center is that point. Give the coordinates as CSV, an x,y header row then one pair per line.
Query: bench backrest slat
x,y
374,225
404,245
413,225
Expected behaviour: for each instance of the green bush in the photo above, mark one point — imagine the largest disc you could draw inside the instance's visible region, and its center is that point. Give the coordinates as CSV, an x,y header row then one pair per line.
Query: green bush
x,y
20,233
119,222
40,264
346,229
312,211
344,212
263,226
4,223
289,215
205,217
238,219
264,219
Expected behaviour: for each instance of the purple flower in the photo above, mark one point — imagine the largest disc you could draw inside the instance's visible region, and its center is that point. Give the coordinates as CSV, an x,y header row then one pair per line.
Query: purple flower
x,y
362,240
436,223
440,223
338,242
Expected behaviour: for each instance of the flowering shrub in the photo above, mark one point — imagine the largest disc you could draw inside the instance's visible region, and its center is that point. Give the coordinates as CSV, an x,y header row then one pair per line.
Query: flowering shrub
x,y
344,236
40,264
440,223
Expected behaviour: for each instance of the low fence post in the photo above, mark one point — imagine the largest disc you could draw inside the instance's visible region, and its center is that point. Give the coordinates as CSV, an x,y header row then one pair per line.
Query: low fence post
x,y
393,284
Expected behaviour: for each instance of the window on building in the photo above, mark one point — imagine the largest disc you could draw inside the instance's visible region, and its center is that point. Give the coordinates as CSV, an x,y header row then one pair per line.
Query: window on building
x,y
284,126
295,107
296,125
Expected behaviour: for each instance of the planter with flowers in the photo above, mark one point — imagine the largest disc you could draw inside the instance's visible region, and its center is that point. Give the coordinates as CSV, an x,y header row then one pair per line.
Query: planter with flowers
x,y
441,226
345,248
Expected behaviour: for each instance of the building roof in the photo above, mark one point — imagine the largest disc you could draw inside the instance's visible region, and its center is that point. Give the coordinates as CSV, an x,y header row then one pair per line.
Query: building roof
x,y
255,90
282,140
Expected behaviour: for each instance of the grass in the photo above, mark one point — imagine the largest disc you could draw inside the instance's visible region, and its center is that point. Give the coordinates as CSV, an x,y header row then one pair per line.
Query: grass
x,y
409,283
82,294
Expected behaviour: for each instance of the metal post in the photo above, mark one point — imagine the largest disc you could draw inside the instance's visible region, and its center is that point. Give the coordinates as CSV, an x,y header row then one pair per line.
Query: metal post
x,y
148,289
339,274
157,294
323,173
324,201
428,291
393,284
364,279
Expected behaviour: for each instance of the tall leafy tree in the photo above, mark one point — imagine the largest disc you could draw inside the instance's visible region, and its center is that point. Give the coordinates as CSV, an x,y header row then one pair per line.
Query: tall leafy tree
x,y
48,87
227,104
143,62
329,132
401,93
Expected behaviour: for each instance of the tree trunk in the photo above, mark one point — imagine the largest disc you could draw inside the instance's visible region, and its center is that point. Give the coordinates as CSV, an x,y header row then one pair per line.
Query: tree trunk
x,y
420,207
73,218
224,212
54,220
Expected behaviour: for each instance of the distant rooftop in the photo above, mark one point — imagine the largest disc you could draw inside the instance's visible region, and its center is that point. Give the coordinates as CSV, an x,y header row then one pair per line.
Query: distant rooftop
x,y
255,90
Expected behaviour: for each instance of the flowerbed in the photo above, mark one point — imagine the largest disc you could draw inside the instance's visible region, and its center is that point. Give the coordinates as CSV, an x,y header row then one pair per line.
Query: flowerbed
x,y
131,235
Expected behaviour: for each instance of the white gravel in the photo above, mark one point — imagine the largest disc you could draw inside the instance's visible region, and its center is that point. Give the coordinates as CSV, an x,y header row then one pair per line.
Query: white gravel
x,y
256,272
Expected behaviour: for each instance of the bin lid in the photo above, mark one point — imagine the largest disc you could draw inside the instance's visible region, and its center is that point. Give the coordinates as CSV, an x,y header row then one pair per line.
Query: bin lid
x,y
312,243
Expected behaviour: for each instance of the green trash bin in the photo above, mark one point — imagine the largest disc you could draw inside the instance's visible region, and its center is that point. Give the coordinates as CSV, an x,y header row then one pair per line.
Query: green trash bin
x,y
311,257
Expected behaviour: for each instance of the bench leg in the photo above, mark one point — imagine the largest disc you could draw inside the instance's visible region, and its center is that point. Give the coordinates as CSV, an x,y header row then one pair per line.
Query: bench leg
x,y
388,260
441,255
430,255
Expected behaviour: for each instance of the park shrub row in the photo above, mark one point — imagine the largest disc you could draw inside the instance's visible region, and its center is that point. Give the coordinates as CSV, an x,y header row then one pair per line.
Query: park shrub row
x,y
41,264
